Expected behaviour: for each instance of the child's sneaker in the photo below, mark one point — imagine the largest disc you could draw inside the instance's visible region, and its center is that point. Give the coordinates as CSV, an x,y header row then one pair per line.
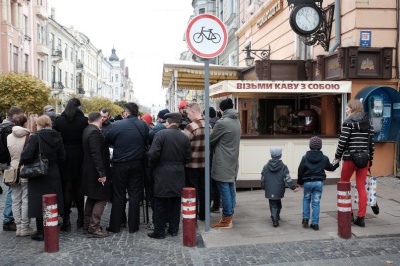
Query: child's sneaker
x,y
304,222
314,226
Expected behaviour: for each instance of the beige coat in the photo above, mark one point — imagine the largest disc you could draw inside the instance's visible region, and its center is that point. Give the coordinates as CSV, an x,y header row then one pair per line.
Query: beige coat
x,y
15,144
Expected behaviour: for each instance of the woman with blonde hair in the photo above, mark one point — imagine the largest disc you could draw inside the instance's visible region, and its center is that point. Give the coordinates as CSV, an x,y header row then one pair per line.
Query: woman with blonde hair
x,y
16,142
51,146
357,135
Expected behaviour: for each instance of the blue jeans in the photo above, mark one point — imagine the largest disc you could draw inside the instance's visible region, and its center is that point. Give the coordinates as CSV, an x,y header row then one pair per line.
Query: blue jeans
x,y
7,213
312,194
228,197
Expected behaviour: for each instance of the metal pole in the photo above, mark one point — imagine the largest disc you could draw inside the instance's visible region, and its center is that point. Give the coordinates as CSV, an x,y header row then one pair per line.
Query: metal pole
x,y
176,90
207,139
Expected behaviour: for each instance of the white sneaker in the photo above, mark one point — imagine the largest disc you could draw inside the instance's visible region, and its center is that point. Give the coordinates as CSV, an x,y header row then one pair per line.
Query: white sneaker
x,y
18,232
27,231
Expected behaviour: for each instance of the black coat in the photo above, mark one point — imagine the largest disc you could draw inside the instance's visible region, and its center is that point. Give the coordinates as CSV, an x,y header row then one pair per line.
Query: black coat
x,y
128,138
312,167
53,149
71,133
96,164
170,152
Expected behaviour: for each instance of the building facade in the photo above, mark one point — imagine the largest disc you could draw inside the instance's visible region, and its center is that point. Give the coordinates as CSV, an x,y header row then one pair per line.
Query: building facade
x,y
65,59
18,37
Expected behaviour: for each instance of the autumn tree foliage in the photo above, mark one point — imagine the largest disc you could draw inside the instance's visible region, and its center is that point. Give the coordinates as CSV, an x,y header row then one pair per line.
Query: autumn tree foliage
x,y
23,90
96,104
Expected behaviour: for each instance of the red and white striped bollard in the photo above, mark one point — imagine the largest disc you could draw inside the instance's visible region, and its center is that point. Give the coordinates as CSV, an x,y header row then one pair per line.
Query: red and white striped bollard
x,y
344,209
50,223
189,216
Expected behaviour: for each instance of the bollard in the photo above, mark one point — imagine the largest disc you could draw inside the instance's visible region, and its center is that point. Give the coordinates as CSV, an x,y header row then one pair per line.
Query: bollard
x,y
189,216
344,209
50,223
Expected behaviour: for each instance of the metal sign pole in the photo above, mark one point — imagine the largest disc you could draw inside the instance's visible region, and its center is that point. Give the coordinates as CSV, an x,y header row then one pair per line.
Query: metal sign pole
x,y
207,140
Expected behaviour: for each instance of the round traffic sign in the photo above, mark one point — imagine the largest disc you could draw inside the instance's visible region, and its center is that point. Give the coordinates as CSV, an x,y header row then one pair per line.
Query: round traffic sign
x,y
206,36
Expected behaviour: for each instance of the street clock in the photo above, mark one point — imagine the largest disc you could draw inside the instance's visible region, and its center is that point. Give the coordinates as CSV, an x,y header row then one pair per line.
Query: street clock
x,y
306,19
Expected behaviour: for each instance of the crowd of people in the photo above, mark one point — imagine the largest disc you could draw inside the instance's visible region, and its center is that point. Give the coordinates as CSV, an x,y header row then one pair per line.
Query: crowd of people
x,y
102,160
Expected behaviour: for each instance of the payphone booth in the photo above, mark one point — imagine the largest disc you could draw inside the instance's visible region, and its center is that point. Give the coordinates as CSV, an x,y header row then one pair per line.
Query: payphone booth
x,y
382,103
383,107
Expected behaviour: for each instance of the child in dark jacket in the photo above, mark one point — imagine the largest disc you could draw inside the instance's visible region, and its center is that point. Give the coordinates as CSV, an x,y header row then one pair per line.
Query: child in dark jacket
x,y
311,174
274,176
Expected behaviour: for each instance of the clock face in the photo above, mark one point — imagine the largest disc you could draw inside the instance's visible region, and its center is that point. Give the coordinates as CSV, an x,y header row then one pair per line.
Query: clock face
x,y
306,19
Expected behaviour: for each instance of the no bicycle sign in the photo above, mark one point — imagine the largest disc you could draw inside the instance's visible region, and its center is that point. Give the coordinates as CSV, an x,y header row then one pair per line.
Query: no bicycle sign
x,y
206,36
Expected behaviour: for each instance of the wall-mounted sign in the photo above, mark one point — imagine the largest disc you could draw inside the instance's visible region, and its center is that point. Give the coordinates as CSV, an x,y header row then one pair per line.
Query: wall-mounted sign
x,y
272,10
365,38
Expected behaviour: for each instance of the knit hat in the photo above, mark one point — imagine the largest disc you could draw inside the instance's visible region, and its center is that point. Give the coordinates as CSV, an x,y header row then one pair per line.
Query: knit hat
x,y
147,118
276,152
212,113
48,108
315,143
162,113
182,104
226,104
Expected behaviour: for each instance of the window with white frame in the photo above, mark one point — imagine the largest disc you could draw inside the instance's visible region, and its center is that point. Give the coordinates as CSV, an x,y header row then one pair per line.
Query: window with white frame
x,y
202,11
231,59
66,51
39,33
230,7
25,25
15,58
221,10
66,79
26,63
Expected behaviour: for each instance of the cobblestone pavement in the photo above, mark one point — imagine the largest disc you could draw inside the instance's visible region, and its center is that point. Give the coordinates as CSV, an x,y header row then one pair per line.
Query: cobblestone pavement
x,y
138,249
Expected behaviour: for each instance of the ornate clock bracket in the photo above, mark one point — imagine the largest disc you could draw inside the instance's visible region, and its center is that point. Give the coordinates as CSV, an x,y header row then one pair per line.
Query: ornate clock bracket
x,y
323,35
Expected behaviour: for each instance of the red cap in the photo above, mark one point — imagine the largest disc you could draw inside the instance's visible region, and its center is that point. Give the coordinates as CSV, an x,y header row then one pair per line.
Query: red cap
x,y
147,118
182,104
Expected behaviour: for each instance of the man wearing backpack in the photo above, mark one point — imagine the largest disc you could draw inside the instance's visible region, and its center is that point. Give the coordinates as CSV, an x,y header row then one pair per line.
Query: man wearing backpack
x,y
5,130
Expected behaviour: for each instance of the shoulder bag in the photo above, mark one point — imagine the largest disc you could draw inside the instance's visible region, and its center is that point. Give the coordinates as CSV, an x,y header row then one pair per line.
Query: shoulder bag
x,y
361,158
11,176
38,168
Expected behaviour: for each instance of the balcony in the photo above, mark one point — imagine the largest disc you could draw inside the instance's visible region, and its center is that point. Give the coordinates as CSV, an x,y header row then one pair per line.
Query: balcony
x,y
56,53
79,66
41,12
58,85
81,91
42,49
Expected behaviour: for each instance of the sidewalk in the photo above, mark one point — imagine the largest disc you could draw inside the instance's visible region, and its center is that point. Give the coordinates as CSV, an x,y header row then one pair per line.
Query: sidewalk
x,y
252,223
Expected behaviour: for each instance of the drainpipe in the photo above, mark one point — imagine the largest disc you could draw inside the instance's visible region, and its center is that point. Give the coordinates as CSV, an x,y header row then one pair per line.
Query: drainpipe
x,y
337,27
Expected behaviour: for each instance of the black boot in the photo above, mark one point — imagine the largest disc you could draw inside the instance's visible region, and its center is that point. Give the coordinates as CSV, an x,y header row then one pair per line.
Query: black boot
x,y
39,235
359,221
66,226
79,222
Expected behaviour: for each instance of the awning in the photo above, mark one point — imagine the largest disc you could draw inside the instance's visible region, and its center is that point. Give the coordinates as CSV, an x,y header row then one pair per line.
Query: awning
x,y
191,74
248,88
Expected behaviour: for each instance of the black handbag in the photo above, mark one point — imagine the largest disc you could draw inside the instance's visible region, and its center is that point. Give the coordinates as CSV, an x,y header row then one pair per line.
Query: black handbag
x,y
360,159
37,168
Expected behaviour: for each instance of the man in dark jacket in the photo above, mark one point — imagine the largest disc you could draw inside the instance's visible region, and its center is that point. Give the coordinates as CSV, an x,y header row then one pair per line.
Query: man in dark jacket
x,y
170,151
49,111
5,130
105,119
96,175
160,124
129,137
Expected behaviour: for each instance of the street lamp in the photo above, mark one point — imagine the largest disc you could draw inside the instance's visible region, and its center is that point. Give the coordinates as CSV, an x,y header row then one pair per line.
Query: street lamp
x,y
263,55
